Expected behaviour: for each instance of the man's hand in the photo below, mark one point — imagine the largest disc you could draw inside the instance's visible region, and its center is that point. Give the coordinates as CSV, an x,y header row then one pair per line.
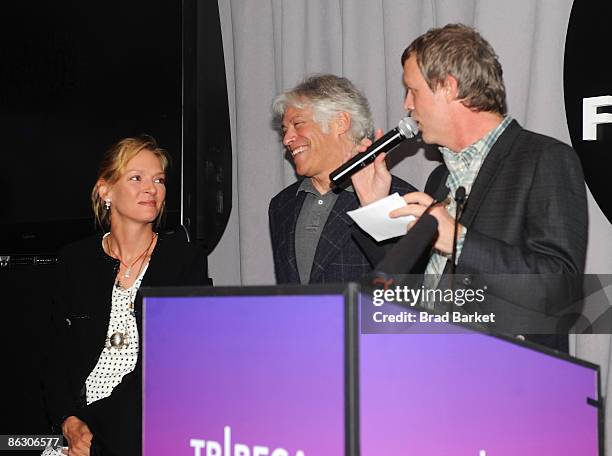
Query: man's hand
x,y
417,203
78,435
374,181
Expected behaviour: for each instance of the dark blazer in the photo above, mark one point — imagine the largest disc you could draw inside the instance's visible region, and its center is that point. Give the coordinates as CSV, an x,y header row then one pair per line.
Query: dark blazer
x,y
81,313
526,214
338,258
527,211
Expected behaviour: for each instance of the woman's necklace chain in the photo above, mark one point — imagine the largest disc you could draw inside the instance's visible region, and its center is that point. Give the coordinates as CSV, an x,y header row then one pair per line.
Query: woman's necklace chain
x,y
128,268
121,339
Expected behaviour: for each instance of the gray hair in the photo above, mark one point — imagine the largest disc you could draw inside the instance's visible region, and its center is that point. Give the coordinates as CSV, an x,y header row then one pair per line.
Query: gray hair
x,y
328,95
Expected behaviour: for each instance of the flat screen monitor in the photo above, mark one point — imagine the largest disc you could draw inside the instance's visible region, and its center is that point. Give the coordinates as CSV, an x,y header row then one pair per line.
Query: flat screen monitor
x,y
440,389
244,371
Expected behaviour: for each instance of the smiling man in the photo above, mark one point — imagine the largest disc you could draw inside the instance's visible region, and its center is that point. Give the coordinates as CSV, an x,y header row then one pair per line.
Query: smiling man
x,y
323,120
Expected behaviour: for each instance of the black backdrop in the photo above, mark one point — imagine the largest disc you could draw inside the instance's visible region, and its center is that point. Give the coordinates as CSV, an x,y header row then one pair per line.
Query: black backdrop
x,y
586,74
74,78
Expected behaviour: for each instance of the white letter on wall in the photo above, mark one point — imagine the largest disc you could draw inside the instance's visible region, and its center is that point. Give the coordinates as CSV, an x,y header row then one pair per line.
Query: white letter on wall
x,y
591,118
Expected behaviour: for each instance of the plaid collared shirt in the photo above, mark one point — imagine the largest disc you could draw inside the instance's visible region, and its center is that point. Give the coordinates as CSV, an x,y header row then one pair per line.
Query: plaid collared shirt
x,y
463,167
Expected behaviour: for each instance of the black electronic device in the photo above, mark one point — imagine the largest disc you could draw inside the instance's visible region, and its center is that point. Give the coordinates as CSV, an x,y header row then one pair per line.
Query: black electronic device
x,y
407,128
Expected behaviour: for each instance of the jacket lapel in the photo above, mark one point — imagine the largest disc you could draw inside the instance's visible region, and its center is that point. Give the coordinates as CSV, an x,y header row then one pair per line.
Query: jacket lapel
x,y
158,271
336,233
489,169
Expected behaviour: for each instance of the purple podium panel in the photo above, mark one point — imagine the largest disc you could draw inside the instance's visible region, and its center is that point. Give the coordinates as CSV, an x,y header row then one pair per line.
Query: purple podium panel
x,y
472,394
244,375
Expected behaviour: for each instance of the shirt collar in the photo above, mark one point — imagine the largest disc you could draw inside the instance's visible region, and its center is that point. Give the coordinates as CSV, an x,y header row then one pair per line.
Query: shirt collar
x,y
307,186
458,162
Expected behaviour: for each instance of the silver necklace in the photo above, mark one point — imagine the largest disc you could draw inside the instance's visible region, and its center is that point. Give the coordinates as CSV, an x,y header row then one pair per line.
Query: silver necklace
x,y
128,268
121,339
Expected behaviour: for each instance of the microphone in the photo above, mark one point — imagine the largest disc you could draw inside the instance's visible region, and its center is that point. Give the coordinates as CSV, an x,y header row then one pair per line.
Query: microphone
x,y
460,200
407,128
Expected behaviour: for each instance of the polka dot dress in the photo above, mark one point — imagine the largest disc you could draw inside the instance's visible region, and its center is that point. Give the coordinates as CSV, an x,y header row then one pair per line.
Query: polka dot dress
x,y
115,362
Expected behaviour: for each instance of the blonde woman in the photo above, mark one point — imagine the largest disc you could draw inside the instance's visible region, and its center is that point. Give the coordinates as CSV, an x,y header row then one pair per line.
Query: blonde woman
x,y
92,382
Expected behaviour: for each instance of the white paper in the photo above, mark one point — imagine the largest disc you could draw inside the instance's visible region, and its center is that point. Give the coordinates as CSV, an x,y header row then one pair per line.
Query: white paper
x,y
374,218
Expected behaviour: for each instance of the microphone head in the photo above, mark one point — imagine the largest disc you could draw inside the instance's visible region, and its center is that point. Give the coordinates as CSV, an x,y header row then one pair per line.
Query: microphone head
x,y
460,194
408,127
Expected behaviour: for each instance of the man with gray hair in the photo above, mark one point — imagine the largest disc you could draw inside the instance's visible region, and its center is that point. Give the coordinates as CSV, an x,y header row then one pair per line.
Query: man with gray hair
x,y
323,121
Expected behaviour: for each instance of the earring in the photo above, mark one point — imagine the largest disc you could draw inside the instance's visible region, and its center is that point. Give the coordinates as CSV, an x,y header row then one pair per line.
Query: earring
x,y
107,205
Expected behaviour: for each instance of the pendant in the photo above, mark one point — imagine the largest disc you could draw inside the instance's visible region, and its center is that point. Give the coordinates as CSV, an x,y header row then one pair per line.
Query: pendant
x,y
127,272
117,340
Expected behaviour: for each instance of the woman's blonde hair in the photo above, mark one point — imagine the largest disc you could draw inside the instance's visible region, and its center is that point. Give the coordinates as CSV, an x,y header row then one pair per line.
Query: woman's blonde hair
x,y
112,167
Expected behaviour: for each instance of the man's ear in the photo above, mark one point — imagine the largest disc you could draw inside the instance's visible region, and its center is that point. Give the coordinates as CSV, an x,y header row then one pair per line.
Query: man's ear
x,y
343,123
451,88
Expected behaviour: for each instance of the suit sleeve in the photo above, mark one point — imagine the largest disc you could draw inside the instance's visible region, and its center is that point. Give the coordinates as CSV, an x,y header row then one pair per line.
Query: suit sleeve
x,y
274,239
60,399
115,421
555,226
537,284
